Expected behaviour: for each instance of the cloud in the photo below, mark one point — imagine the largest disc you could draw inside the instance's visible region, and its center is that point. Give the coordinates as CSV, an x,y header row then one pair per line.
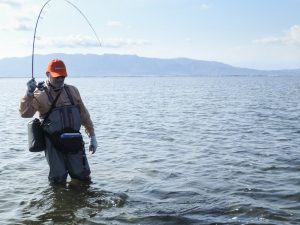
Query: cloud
x,y
121,42
188,40
15,25
204,6
20,16
292,37
83,41
19,21
70,41
114,24
12,3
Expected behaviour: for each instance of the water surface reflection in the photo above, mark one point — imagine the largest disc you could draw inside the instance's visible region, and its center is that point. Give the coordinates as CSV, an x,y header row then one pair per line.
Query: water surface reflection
x,y
75,202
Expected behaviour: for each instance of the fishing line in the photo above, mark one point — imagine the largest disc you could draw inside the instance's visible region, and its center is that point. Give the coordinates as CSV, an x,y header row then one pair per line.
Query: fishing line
x,y
37,22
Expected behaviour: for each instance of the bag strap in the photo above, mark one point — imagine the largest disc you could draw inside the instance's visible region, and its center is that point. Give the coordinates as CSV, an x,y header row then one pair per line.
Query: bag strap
x,y
51,108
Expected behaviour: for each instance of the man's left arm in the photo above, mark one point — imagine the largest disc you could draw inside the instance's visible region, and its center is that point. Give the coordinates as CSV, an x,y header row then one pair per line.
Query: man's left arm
x,y
86,122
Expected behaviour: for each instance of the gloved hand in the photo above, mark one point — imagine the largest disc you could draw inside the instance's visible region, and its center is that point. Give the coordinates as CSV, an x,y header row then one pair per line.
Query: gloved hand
x,y
93,144
31,86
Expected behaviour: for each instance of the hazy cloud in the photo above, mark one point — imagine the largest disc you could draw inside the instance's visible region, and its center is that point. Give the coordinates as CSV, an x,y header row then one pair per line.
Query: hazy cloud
x,y
12,3
204,6
75,41
18,25
188,40
20,16
70,41
292,37
114,24
121,42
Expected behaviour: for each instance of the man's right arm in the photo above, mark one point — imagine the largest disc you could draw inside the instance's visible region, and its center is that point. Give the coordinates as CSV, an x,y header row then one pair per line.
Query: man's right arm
x,y
27,106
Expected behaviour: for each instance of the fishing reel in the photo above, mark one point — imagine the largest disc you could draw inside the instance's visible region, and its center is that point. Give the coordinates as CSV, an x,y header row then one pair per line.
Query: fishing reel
x,y
41,85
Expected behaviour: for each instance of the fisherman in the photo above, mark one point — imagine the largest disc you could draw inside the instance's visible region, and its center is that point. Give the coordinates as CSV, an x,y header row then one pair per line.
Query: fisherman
x,y
67,116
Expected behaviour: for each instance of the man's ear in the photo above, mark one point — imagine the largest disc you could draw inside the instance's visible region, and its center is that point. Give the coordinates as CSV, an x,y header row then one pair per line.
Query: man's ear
x,y
47,74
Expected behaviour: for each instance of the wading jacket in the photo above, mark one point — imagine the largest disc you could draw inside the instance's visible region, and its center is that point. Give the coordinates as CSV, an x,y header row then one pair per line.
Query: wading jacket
x,y
40,102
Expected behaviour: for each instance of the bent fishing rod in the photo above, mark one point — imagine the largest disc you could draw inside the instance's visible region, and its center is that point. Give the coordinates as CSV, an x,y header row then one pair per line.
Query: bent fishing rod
x,y
37,22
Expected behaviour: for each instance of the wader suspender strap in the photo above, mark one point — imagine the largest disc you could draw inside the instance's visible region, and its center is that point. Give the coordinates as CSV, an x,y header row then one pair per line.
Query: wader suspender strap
x,y
67,91
52,107
63,118
69,94
72,103
51,99
71,122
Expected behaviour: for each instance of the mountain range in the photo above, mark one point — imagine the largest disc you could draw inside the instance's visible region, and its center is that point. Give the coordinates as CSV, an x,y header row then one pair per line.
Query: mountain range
x,y
128,65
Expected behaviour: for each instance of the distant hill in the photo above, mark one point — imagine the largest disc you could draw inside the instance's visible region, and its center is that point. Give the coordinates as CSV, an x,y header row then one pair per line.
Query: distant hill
x,y
128,65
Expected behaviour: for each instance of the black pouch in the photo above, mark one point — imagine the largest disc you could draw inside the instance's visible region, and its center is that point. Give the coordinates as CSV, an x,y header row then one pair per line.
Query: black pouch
x,y
67,141
36,138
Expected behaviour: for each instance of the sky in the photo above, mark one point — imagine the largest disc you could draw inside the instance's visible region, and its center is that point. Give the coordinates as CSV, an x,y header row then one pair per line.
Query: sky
x,y
259,34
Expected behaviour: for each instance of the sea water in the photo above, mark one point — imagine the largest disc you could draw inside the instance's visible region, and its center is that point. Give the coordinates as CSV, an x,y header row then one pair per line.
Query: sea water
x,y
172,150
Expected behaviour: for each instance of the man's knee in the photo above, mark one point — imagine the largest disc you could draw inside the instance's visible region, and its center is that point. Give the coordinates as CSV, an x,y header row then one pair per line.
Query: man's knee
x,y
83,175
58,179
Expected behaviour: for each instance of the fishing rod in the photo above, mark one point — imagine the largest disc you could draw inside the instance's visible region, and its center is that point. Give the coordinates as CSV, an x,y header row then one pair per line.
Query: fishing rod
x,y
37,22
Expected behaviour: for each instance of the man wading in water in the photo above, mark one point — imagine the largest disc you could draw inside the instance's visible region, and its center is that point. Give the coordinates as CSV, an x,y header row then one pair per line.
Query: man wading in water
x,y
65,119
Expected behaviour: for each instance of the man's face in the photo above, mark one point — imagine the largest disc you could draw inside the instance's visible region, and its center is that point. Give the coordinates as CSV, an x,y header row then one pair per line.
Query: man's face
x,y
56,82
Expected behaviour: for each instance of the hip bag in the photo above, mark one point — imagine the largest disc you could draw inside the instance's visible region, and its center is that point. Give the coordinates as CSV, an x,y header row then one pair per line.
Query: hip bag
x,y
67,141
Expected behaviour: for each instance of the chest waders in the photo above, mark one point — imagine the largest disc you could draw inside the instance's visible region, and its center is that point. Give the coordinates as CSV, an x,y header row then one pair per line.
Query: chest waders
x,y
65,155
63,125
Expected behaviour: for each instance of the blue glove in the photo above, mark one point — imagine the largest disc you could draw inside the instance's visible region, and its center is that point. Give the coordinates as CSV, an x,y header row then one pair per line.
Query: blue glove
x,y
31,86
93,144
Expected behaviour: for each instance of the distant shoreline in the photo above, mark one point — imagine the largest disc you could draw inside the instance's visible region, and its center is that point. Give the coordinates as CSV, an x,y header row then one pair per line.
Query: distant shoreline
x,y
131,66
145,76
